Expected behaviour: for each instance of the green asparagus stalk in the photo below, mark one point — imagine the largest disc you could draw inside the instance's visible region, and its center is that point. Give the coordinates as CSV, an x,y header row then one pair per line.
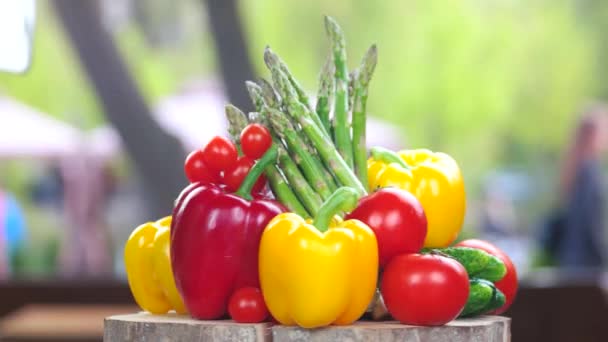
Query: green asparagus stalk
x,y
270,96
311,167
328,153
352,79
283,191
307,195
276,61
255,93
341,127
364,75
326,89
237,121
274,64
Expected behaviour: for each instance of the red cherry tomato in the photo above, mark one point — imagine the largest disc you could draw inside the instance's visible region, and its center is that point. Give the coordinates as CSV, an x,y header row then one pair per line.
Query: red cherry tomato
x,y
255,140
398,220
424,290
197,171
234,176
247,306
508,284
219,154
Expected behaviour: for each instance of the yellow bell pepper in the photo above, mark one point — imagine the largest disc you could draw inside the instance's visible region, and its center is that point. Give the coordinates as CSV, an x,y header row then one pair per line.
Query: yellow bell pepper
x,y
434,178
148,266
313,276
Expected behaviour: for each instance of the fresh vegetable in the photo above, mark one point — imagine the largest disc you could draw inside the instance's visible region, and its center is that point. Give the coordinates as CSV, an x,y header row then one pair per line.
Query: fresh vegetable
x,y
247,306
434,178
311,167
148,266
478,263
234,176
276,65
219,154
326,91
316,275
397,219
196,170
237,121
341,127
215,237
483,297
508,284
255,140
307,195
363,76
424,290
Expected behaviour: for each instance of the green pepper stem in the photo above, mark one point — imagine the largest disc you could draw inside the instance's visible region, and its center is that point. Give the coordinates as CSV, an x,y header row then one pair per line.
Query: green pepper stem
x,y
343,199
387,156
256,171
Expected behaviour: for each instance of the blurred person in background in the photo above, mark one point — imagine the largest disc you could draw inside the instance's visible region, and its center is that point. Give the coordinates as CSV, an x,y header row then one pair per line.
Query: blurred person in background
x,y
574,236
12,232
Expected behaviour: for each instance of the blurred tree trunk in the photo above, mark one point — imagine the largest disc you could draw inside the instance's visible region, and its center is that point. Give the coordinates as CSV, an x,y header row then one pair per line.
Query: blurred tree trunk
x,y
231,48
157,156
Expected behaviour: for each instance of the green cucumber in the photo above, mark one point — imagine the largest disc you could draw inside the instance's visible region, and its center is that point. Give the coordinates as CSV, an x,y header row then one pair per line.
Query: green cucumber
x,y
481,293
477,263
495,270
497,301
483,298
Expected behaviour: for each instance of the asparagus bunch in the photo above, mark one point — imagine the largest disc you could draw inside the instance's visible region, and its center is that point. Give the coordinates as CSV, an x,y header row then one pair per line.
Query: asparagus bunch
x,y
317,152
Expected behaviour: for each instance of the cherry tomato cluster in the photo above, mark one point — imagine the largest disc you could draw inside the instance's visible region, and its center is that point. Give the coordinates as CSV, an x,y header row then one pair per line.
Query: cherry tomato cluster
x,y
219,161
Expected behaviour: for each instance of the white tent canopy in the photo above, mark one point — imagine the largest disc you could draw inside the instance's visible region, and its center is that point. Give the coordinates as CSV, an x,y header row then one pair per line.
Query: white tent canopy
x,y
27,132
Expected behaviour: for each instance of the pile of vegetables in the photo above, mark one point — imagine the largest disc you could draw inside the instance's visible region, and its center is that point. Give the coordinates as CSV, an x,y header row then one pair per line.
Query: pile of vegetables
x,y
293,219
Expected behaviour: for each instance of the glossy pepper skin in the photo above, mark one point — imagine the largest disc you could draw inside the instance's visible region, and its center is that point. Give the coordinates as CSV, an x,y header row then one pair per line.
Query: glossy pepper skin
x,y
214,242
314,277
148,266
436,181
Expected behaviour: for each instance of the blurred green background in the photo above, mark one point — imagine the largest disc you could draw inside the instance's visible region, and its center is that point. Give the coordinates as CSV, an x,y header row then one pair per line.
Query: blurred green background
x,y
498,84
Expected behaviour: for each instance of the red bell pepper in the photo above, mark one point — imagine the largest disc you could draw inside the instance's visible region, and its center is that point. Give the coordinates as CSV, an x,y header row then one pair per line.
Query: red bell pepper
x,y
397,218
215,238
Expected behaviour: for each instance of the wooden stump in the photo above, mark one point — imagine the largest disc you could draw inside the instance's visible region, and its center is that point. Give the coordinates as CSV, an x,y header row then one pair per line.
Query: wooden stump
x,y
480,329
146,327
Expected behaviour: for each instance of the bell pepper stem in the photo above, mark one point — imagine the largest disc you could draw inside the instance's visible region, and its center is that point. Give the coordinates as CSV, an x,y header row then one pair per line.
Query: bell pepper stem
x,y
256,171
343,199
387,156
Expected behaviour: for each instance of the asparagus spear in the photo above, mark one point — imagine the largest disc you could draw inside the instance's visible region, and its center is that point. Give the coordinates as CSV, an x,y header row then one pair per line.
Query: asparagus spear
x,y
307,195
270,96
255,93
321,142
341,128
237,122
276,61
366,70
274,64
283,191
326,89
311,167
352,78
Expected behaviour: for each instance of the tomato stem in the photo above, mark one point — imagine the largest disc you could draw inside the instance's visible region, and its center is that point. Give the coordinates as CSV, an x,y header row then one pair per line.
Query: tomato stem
x,y
387,156
343,199
256,171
